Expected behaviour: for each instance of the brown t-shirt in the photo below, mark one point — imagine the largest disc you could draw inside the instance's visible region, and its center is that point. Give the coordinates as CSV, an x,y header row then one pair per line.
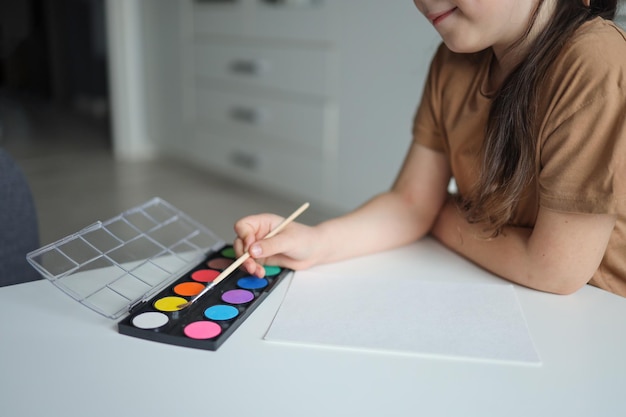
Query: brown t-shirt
x,y
581,125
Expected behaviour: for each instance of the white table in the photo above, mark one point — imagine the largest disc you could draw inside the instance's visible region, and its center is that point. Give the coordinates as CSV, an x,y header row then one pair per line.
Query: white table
x,y
59,358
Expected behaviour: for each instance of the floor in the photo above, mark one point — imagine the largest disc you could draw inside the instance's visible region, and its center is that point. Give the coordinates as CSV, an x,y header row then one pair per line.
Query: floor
x,y
75,181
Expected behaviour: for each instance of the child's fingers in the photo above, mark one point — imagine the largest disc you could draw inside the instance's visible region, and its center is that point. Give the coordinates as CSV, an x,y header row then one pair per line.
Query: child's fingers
x,y
238,246
254,268
251,232
279,244
252,228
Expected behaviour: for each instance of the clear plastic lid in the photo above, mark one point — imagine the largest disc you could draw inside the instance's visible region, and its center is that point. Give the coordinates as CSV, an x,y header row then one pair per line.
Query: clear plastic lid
x,y
113,265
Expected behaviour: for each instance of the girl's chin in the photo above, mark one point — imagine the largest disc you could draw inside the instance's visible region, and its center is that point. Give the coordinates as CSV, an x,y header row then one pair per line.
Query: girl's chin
x,y
462,46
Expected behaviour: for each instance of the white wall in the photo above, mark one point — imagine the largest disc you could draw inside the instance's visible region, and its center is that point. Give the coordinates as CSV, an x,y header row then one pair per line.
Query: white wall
x,y
385,48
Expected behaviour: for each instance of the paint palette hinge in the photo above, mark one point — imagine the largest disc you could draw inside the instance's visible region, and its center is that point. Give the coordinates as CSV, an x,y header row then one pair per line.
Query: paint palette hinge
x,y
137,305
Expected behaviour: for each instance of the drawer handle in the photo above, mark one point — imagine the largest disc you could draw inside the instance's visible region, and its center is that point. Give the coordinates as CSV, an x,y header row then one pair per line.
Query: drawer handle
x,y
246,115
248,67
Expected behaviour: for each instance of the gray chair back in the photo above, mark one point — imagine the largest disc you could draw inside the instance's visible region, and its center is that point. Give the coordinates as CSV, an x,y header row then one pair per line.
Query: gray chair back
x,y
19,232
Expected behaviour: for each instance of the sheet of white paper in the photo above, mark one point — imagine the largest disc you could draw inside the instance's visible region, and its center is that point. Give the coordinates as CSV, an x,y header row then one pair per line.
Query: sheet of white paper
x,y
464,321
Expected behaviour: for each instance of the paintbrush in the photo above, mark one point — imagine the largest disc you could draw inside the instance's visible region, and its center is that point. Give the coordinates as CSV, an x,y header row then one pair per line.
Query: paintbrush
x,y
245,256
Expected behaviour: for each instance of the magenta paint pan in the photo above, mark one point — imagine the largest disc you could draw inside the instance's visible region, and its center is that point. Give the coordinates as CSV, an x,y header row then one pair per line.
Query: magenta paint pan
x,y
210,321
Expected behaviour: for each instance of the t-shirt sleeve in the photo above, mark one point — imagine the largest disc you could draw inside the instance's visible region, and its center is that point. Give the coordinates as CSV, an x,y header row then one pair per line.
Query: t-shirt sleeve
x,y
426,123
582,167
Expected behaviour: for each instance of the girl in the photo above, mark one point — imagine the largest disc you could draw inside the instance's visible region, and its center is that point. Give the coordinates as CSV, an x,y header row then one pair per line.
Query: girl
x,y
525,107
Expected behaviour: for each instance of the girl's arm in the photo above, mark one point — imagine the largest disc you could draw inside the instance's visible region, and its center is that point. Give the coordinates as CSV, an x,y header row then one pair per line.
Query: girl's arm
x,y
399,216
404,214
559,255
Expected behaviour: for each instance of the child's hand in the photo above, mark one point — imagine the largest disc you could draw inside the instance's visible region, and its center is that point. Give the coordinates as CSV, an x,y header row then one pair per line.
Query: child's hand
x,y
292,248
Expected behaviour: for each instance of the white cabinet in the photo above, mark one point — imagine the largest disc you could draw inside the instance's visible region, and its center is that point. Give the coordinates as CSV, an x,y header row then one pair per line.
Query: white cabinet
x,y
259,91
308,98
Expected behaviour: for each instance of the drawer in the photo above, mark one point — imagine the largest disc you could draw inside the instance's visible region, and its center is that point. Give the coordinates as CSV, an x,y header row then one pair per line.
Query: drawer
x,y
295,173
301,125
225,18
296,70
294,20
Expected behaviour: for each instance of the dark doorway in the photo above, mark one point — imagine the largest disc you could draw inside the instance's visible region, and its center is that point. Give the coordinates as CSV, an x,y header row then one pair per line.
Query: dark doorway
x,y
53,53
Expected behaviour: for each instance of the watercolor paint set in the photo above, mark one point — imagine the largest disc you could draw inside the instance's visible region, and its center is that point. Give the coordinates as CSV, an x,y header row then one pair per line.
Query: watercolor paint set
x,y
145,264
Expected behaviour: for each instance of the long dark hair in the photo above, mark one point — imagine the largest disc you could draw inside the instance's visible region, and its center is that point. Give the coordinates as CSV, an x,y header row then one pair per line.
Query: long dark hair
x,y
508,164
